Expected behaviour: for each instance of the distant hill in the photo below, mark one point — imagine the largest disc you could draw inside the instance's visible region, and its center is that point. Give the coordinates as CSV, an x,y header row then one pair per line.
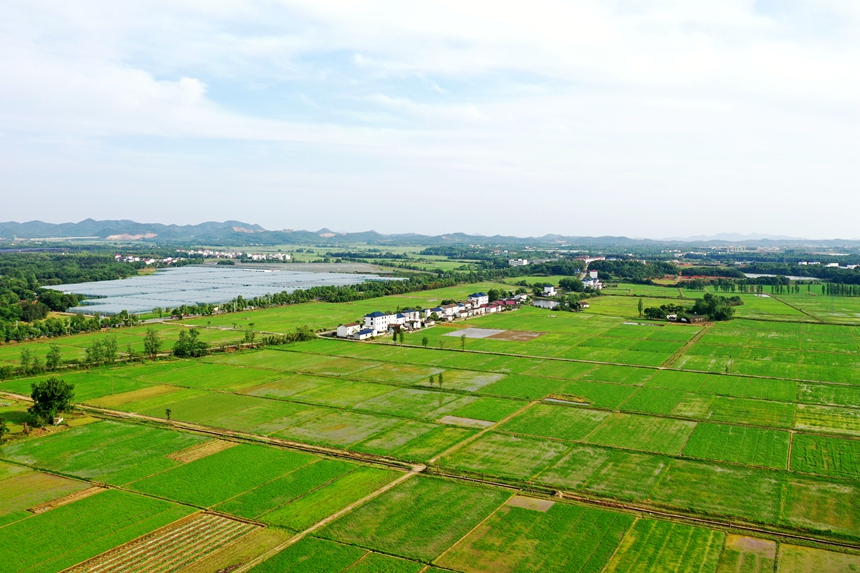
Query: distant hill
x,y
736,237
239,233
126,230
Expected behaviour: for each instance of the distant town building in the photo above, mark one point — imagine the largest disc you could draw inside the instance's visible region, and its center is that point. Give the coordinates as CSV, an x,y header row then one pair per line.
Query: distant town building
x,y
518,262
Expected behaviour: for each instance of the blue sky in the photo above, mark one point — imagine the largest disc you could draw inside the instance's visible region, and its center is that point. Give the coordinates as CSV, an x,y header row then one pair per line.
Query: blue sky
x,y
646,119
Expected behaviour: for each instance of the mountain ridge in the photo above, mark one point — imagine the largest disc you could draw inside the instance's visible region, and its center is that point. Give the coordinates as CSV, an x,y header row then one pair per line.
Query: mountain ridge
x,y
234,232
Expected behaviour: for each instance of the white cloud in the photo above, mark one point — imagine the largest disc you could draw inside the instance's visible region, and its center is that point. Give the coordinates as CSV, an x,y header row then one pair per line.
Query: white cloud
x,y
644,102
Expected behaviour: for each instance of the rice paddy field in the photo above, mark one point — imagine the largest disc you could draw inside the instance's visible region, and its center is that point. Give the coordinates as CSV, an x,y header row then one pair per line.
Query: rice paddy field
x,y
586,442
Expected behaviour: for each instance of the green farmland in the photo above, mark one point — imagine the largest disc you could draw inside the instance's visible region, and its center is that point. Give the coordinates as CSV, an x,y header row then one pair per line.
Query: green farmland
x,y
596,443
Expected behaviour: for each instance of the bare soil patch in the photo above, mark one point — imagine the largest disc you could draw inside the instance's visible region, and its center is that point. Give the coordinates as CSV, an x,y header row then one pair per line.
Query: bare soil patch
x,y
65,500
517,335
475,332
201,450
762,547
532,503
467,422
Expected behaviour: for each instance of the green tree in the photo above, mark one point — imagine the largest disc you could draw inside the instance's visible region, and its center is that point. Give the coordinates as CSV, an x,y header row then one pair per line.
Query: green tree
x,y
4,429
49,397
440,379
189,345
463,342
132,354
571,284
54,359
402,336
152,343
641,307
168,412
26,360
425,341
111,349
94,353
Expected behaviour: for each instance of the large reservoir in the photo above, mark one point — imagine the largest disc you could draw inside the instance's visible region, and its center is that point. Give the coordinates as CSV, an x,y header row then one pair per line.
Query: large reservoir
x,y
192,285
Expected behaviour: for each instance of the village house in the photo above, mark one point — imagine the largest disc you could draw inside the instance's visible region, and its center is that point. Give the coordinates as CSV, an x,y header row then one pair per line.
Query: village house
x,y
591,281
479,298
549,290
348,330
377,323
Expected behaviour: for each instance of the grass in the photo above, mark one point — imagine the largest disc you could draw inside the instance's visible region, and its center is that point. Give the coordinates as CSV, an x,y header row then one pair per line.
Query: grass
x,y
666,547
568,538
428,445
230,411
633,435
109,452
419,518
658,435
311,555
416,403
314,555
709,489
82,529
318,504
627,476
506,456
820,506
563,422
575,467
826,456
338,428
755,412
795,559
599,394
490,409
205,482
285,489
27,489
744,445
828,419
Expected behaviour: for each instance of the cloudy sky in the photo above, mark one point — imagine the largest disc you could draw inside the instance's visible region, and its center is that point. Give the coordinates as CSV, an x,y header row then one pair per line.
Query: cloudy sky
x,y
639,118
